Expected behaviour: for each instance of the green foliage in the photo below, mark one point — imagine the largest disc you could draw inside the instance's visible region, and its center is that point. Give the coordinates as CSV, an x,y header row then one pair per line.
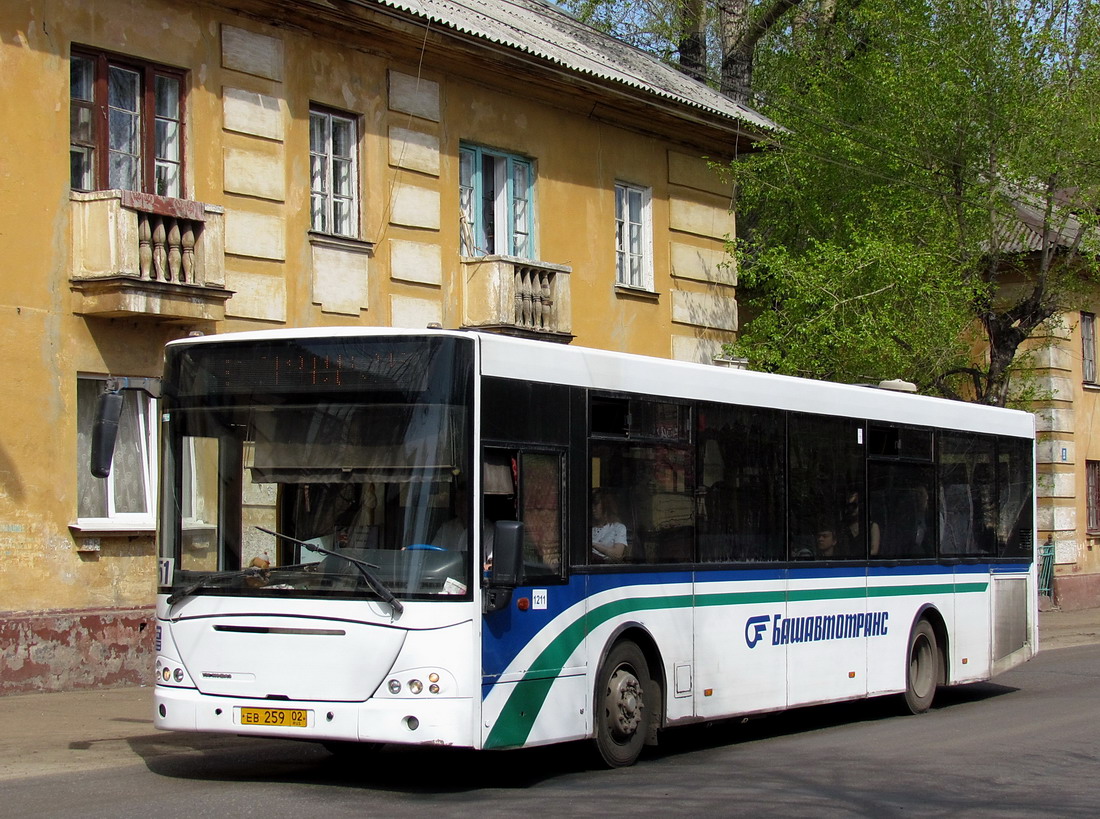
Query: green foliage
x,y
859,312
879,239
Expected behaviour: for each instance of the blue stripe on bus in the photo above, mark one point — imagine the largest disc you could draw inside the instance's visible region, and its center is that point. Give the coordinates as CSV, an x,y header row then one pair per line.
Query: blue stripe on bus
x,y
605,582
1010,568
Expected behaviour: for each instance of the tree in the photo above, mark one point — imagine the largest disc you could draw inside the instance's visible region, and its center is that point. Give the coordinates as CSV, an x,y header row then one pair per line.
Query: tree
x,y
710,40
934,203
741,26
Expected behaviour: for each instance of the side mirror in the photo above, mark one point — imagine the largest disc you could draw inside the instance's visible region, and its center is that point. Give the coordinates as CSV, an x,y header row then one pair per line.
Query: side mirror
x,y
108,409
507,570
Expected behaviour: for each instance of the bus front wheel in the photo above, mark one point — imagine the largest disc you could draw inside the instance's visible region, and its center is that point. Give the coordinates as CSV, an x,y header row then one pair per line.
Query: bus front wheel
x,y
622,715
922,670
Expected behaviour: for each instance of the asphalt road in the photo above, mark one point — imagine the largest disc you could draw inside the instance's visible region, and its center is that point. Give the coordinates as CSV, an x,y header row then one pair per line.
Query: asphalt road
x,y
1023,745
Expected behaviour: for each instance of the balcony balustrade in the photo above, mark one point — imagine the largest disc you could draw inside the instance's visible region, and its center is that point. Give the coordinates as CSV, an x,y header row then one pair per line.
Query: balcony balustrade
x,y
517,297
136,254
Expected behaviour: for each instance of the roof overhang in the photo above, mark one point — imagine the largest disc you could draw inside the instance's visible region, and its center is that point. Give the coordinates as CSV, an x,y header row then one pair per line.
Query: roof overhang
x,y
637,92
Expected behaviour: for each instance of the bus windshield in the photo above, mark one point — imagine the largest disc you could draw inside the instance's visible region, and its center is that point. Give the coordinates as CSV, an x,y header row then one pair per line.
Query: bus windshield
x,y
328,467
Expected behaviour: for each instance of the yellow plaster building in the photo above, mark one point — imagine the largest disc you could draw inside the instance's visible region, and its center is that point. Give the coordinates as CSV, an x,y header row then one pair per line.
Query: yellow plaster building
x,y
1068,458
206,167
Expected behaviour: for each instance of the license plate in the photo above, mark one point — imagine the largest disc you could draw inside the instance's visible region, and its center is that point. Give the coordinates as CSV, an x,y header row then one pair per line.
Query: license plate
x,y
275,717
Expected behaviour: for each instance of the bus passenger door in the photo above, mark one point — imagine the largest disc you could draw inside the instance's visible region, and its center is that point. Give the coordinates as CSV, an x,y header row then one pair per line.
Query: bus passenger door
x,y
533,649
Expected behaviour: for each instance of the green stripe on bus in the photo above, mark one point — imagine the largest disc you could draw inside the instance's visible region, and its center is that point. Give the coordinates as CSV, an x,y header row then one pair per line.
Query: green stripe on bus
x,y
526,699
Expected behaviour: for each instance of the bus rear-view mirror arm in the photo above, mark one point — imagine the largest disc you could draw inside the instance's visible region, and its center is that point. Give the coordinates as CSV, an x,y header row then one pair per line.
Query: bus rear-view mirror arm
x,y
108,410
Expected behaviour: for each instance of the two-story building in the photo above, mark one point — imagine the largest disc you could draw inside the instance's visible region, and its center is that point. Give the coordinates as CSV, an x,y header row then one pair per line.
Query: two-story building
x,y
263,164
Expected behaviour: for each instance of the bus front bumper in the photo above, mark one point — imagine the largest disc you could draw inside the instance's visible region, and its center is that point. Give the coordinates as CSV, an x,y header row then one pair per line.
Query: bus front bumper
x,y
407,721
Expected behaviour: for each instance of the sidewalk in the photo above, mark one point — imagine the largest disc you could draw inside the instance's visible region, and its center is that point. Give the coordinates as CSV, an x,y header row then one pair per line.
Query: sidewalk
x,y
88,730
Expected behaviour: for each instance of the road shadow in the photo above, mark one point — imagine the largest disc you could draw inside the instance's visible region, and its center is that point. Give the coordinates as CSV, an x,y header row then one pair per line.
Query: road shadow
x,y
806,719
405,769
395,768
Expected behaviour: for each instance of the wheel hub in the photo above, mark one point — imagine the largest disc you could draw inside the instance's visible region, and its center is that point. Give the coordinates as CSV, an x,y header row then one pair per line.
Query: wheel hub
x,y
624,703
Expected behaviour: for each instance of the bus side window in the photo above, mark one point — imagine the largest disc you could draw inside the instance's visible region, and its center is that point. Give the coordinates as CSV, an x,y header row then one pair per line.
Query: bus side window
x,y
527,486
826,480
740,501
541,497
901,490
646,490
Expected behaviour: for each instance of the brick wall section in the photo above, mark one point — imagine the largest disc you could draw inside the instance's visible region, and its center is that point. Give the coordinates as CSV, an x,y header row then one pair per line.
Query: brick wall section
x,y
1073,592
66,650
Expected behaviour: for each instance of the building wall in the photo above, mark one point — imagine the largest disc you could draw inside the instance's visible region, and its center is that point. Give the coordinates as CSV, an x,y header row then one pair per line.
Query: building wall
x,y
74,599
1068,426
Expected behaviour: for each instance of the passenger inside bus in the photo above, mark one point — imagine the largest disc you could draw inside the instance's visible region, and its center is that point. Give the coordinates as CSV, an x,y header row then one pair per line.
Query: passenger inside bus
x,y
452,533
827,546
609,538
854,539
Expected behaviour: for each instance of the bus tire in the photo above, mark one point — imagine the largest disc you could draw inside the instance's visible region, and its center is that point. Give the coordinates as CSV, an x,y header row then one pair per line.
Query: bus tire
x,y
922,668
622,715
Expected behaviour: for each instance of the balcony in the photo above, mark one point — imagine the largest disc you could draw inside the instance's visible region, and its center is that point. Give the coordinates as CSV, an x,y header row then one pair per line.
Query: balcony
x,y
518,297
135,254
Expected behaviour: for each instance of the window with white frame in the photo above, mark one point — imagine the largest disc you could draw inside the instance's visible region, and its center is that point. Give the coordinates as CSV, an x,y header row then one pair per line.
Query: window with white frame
x,y
1088,348
333,173
633,240
125,124
495,195
124,499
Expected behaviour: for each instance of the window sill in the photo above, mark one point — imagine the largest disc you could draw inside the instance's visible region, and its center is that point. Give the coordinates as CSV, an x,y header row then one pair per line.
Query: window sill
x,y
1090,386
338,242
111,528
636,292
518,261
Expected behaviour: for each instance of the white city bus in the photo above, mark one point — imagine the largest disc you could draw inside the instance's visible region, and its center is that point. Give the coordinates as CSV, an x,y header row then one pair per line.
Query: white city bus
x,y
388,536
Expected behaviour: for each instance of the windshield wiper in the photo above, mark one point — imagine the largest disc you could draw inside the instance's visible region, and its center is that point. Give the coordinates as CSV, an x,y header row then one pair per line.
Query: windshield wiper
x,y
364,568
187,591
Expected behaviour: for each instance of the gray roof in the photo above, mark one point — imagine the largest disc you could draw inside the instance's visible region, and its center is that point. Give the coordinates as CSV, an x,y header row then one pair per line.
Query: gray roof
x,y
1026,232
545,31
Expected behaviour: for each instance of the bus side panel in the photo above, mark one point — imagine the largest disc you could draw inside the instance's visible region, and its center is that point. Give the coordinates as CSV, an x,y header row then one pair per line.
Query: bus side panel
x,y
827,629
972,642
740,665
534,668
659,606
903,593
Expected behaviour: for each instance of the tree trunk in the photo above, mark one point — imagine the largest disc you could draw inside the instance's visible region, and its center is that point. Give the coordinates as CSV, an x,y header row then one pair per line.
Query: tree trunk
x,y
740,27
692,45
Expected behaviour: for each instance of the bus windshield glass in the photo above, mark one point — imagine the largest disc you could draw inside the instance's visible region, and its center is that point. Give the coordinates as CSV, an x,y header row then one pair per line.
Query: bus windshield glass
x,y
329,467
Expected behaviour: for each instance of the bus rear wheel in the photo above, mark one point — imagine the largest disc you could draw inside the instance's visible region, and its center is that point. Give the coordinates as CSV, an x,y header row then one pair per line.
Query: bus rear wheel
x,y
622,715
922,670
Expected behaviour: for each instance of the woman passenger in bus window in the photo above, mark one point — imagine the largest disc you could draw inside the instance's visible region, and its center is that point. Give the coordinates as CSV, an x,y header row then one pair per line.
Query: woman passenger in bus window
x,y
854,539
608,531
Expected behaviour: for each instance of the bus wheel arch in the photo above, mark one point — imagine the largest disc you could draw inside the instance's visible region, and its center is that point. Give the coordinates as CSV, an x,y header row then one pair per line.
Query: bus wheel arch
x,y
627,706
925,660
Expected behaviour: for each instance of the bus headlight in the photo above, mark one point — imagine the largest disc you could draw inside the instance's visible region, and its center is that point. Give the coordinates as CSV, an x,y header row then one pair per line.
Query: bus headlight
x,y
170,672
415,682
